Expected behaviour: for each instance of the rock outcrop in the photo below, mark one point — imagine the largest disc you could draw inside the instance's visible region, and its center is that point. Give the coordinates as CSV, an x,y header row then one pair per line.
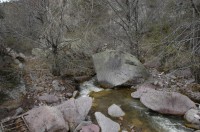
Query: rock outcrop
x,y
115,68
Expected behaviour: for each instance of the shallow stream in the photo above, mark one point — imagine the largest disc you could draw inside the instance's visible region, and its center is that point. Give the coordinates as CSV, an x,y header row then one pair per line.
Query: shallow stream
x,y
137,115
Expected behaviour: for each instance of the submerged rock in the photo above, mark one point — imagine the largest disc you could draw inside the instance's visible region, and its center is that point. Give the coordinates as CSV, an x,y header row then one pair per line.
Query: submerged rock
x,y
115,111
167,102
115,68
106,124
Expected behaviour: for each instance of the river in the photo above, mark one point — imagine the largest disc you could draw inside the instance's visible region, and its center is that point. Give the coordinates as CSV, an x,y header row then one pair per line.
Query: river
x,y
137,115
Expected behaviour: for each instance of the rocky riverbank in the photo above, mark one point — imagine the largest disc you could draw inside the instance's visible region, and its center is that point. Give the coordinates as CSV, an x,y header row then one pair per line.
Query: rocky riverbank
x,y
53,103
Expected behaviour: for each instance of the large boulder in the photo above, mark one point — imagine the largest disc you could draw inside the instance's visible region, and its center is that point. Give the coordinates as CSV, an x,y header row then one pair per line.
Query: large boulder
x,y
167,102
106,124
115,68
46,118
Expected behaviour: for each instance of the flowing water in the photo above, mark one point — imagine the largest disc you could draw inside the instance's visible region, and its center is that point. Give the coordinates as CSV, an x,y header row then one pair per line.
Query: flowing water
x,y
137,115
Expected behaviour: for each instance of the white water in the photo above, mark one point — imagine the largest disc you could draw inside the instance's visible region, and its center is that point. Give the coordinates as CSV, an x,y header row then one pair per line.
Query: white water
x,y
88,87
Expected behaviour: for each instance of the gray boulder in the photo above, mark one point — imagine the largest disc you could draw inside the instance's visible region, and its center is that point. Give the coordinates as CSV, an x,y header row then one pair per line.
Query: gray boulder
x,y
46,118
106,124
115,111
115,68
167,102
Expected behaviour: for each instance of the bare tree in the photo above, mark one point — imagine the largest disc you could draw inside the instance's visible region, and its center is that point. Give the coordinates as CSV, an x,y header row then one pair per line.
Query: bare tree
x,y
46,24
127,11
53,34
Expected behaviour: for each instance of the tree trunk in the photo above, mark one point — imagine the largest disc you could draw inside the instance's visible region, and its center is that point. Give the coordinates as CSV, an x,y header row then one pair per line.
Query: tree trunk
x,y
55,64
